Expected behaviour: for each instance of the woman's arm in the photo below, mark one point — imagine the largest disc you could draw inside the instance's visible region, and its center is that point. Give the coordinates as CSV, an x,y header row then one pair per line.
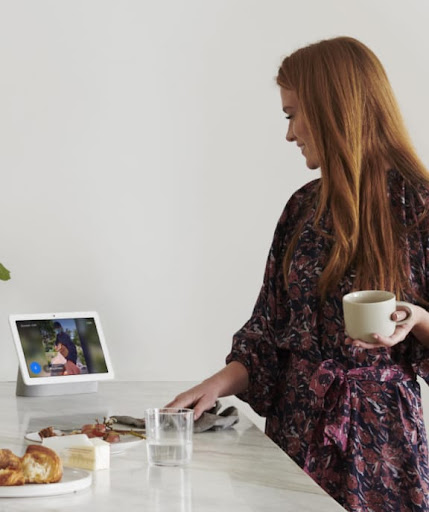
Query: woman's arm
x,y
232,379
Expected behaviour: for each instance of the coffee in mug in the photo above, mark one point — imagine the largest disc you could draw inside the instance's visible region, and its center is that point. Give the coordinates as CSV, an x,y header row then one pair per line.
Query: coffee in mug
x,y
369,312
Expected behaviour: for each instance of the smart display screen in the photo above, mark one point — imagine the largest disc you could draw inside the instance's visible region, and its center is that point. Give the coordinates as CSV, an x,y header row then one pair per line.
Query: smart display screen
x,y
57,347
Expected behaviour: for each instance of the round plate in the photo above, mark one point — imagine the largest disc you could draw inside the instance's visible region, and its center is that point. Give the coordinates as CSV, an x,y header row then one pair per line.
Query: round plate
x,y
126,442
73,480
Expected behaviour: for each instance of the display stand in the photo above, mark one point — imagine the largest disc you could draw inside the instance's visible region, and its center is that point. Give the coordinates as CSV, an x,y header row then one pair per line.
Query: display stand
x,y
68,388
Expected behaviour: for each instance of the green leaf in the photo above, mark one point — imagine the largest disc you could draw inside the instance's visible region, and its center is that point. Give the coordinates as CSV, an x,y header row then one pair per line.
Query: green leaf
x,y
4,273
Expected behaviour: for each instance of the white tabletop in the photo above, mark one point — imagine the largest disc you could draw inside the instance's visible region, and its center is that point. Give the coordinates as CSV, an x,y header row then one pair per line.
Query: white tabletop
x,y
238,470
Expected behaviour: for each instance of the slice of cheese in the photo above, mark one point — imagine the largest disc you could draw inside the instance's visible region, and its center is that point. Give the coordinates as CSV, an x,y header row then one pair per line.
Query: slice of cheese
x,y
82,452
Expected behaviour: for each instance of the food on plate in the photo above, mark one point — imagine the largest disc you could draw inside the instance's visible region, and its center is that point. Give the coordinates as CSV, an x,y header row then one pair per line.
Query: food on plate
x,y
47,432
77,451
10,469
39,465
112,437
104,430
94,429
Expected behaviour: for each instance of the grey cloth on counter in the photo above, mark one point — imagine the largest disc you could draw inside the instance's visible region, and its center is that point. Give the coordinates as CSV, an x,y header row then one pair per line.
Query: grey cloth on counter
x,y
209,420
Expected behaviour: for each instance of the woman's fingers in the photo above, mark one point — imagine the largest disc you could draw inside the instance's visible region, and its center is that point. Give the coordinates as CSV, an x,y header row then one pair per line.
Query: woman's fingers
x,y
399,314
186,399
202,405
200,401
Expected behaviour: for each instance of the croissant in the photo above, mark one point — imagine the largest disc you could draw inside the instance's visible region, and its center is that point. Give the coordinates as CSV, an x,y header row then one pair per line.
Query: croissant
x,y
10,469
39,465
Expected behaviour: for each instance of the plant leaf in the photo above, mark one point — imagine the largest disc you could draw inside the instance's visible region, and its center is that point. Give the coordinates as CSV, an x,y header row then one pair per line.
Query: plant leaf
x,y
4,273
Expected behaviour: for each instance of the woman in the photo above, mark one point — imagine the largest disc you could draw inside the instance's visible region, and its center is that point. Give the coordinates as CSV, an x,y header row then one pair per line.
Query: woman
x,y
348,412
65,346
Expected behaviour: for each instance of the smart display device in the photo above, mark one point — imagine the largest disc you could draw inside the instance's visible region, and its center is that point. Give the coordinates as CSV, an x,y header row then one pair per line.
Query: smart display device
x,y
59,353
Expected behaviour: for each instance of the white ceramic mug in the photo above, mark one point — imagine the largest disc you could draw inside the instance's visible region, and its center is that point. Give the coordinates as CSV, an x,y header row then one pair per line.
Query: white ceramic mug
x,y
369,312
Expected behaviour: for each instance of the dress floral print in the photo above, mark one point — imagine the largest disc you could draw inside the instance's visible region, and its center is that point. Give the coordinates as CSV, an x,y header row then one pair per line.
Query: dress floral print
x,y
351,418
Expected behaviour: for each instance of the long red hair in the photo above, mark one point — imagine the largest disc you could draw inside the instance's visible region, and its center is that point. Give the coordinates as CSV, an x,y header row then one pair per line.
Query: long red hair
x,y
358,131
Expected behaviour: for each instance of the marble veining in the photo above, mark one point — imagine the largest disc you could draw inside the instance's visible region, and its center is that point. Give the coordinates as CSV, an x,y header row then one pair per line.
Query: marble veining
x,y
238,470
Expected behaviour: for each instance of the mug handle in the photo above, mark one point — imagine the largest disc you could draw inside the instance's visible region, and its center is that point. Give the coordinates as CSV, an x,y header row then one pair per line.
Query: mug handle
x,y
406,306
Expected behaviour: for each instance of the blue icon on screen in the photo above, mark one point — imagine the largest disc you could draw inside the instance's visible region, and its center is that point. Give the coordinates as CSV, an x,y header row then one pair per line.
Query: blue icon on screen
x,y
35,367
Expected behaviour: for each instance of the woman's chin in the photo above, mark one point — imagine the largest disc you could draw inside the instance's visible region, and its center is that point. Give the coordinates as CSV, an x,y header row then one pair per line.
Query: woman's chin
x,y
312,165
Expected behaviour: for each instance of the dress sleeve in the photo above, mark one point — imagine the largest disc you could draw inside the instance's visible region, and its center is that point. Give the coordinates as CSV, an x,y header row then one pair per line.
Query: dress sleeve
x,y
254,345
420,351
419,248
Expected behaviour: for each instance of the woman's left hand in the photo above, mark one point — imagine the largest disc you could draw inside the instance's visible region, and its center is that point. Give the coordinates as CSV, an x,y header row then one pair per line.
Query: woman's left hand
x,y
401,331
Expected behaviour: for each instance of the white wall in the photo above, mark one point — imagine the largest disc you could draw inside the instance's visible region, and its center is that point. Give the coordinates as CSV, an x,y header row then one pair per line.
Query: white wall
x,y
143,162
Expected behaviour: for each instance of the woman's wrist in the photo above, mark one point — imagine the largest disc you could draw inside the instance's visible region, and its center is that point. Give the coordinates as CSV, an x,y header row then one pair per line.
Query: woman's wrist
x,y
232,379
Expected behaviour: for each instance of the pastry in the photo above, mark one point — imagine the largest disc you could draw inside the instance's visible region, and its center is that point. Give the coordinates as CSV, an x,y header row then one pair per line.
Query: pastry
x,y
41,465
10,469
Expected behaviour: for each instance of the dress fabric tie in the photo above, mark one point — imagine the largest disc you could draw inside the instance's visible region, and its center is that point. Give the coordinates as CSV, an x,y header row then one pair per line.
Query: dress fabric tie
x,y
331,385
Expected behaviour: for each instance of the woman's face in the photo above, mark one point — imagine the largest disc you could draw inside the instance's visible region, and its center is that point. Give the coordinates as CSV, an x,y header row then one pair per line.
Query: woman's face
x,y
298,129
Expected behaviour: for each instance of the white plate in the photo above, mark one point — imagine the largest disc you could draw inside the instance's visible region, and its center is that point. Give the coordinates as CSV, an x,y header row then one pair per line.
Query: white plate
x,y
125,443
73,480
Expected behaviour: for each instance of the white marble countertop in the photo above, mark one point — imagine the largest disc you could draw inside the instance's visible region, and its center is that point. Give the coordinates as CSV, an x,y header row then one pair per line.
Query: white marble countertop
x,y
238,470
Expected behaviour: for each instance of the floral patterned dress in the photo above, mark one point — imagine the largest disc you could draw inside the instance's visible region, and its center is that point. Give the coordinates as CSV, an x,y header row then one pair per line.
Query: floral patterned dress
x,y
350,417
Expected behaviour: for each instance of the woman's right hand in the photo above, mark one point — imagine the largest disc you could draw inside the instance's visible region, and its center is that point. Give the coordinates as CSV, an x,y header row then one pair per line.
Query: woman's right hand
x,y
230,380
200,398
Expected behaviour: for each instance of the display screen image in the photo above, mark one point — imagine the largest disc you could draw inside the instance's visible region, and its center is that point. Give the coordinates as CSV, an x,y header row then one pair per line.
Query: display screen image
x,y
61,346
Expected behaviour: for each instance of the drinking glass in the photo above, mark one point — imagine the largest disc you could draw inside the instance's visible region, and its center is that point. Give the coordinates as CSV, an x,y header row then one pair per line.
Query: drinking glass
x,y
169,435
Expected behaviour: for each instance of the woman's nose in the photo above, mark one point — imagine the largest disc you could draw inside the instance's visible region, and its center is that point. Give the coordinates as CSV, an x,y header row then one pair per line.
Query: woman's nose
x,y
290,136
